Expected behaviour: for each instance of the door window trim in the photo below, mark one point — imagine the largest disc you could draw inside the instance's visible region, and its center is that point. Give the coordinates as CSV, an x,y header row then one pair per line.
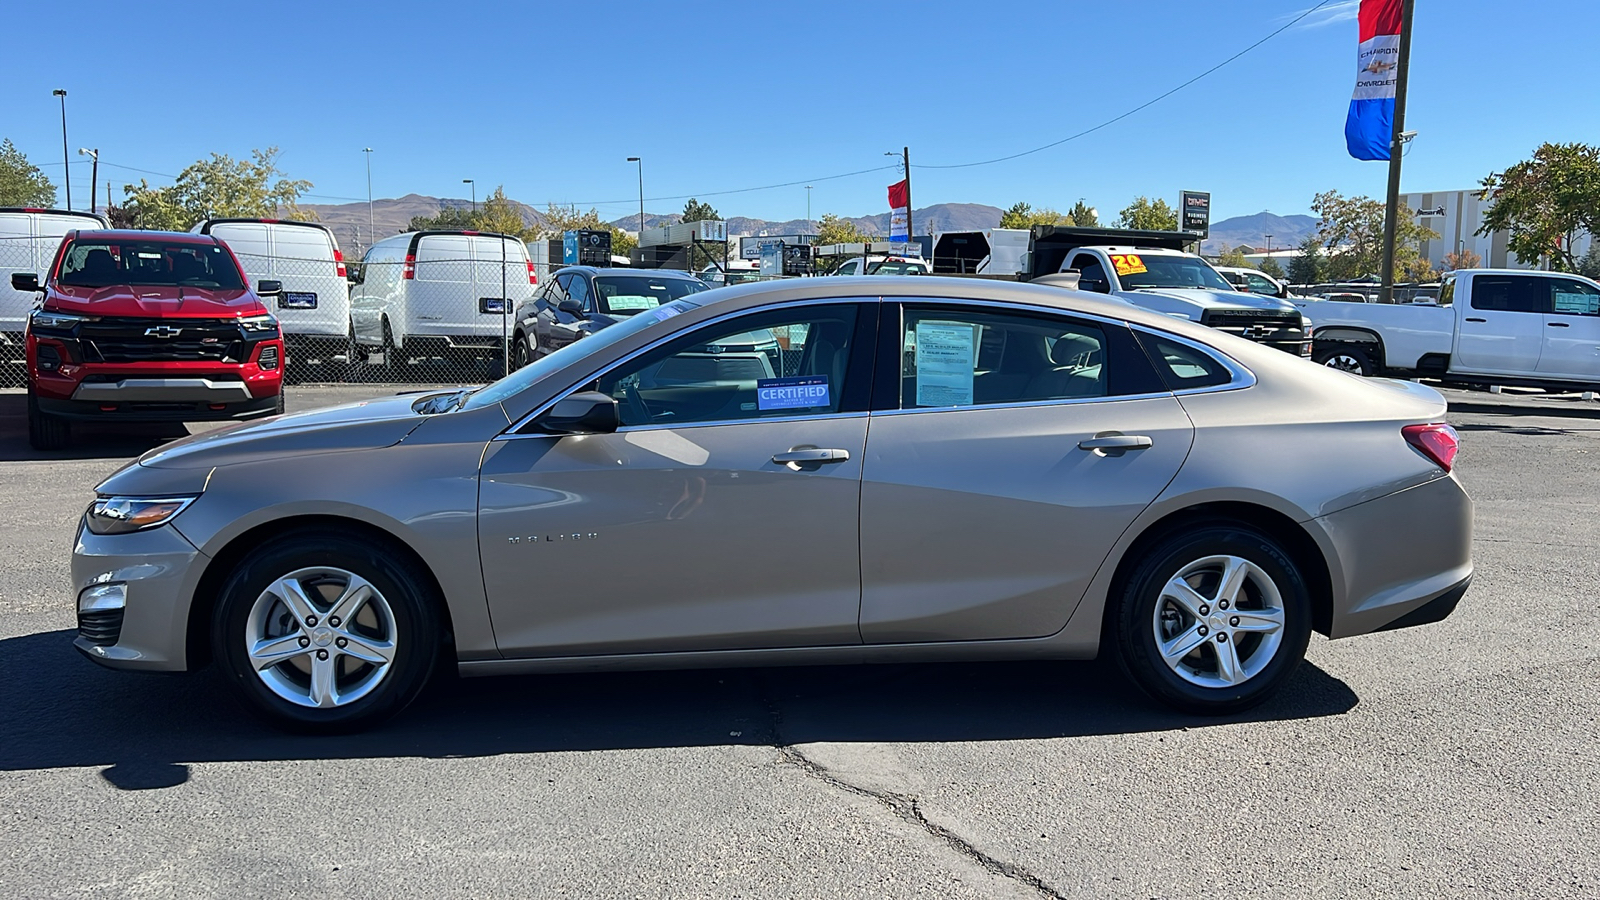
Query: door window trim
x,y
867,304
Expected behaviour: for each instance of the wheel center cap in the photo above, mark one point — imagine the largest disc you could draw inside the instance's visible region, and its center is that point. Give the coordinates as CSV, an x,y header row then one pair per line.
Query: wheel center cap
x,y
322,637
1218,623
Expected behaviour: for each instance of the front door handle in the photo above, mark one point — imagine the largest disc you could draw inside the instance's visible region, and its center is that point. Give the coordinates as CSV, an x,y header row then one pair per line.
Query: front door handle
x,y
1558,324
1476,319
801,456
1112,443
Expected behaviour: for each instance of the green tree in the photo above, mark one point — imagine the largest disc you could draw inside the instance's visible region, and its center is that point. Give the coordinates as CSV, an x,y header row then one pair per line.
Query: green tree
x,y
1269,266
1235,257
1545,202
695,211
1083,215
561,219
220,186
833,230
450,218
1310,266
499,215
1589,266
1148,216
21,182
1023,215
1351,232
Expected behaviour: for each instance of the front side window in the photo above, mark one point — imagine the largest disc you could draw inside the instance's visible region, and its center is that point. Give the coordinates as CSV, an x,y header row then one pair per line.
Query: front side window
x,y
1509,293
91,263
1447,291
1573,298
969,358
1258,284
626,295
766,365
578,289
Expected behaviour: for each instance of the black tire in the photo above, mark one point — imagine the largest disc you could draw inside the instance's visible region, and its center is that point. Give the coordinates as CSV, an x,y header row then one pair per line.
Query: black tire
x,y
1132,623
279,408
46,432
405,588
388,346
1351,358
519,351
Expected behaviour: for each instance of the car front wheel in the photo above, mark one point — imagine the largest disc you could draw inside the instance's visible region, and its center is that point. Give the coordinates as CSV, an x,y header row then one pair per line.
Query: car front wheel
x,y
1213,620
324,632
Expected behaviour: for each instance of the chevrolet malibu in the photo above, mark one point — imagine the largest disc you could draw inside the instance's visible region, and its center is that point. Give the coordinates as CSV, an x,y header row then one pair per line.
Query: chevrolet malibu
x,y
900,470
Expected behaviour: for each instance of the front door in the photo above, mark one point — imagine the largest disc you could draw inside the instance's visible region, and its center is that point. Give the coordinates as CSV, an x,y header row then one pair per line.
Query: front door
x,y
1503,331
1571,331
996,486
722,515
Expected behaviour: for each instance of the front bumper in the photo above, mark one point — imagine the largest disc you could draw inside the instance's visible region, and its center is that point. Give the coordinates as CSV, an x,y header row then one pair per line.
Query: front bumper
x,y
1404,559
158,568
159,410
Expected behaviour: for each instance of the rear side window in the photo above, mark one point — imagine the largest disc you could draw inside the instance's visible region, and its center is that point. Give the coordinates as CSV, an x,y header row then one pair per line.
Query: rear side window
x,y
1183,367
1573,298
1509,293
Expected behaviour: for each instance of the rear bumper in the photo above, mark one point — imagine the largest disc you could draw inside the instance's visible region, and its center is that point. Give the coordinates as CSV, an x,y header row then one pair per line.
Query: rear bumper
x,y
1403,560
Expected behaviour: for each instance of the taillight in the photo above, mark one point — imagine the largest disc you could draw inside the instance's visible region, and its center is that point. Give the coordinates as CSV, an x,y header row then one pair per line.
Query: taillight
x,y
410,270
1437,442
338,262
533,277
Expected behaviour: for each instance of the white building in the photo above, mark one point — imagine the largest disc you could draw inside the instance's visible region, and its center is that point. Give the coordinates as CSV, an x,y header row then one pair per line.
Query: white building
x,y
1458,229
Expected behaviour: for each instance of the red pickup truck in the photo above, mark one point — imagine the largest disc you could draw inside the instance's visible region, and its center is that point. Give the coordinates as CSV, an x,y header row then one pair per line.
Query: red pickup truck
x,y
144,326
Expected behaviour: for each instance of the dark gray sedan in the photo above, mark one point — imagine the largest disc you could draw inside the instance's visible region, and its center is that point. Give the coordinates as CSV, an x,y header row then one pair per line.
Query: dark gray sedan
x,y
801,472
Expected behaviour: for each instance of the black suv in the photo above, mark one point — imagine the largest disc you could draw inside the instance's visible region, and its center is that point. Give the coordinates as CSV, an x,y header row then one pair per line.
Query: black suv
x,y
580,300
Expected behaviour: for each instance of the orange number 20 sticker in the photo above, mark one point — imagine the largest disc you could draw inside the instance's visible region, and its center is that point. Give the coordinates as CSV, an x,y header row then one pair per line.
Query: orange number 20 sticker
x,y
1128,264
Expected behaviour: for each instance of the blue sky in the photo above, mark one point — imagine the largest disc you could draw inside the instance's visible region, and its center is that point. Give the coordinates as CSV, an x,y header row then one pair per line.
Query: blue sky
x,y
550,98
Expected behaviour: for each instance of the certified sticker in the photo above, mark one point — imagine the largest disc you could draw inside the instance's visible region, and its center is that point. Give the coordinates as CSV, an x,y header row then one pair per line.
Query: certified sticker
x,y
1128,263
804,392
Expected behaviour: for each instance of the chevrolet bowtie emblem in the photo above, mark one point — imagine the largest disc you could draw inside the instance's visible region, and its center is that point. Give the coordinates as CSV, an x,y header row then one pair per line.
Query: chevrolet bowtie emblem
x,y
163,331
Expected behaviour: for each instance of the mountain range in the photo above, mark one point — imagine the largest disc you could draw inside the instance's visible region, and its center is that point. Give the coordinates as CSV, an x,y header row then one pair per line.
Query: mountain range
x,y
350,222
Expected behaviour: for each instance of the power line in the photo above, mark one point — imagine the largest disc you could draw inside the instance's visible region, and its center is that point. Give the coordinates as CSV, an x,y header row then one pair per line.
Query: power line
x,y
1290,24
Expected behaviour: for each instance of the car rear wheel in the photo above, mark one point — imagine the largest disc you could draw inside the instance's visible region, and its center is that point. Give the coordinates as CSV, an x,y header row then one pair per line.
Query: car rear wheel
x,y
322,632
1354,360
1213,620
519,352
389,361
46,432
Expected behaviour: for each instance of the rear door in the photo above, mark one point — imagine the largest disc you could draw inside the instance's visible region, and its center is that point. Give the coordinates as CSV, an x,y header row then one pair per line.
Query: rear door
x,y
314,294
1502,331
443,298
17,254
984,514
1571,331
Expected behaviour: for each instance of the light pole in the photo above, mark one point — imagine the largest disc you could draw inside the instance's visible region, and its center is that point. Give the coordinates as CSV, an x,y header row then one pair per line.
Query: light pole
x,y
474,193
640,161
94,175
1269,245
372,228
808,206
66,168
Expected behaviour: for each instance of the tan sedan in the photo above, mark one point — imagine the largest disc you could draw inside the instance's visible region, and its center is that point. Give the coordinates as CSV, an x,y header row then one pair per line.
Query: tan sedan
x,y
801,472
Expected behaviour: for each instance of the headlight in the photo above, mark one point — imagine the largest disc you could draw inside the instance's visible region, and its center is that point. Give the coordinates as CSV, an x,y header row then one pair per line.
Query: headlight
x,y
120,515
57,321
259,323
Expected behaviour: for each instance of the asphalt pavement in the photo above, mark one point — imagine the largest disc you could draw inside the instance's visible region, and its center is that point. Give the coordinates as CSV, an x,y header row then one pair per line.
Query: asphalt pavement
x,y
1457,759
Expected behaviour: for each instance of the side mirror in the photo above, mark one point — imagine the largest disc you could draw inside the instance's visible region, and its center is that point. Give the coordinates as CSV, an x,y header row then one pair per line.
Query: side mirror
x,y
571,307
1097,285
269,288
587,412
26,282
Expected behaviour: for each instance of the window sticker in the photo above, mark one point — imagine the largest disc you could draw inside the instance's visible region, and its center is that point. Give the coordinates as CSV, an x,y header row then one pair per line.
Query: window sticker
x,y
1128,264
1576,302
631,301
802,392
947,354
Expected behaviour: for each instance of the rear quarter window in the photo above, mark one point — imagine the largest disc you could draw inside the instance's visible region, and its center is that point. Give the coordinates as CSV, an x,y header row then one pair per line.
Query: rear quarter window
x,y
1183,367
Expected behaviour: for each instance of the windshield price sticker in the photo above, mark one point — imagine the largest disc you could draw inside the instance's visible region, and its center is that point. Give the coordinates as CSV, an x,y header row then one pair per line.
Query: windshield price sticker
x,y
1128,264
804,392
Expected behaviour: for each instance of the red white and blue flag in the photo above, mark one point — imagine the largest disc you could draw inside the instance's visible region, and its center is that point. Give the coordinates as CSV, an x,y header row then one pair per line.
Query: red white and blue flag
x,y
1369,129
899,211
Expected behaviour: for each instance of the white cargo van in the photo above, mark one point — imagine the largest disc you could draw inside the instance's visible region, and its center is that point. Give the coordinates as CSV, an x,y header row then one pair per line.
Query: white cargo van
x,y
440,293
29,239
314,307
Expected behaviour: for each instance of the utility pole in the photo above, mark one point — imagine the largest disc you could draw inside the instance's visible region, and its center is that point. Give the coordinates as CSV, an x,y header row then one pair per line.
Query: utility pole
x,y
911,231
474,194
94,175
1391,216
808,206
66,167
372,228
640,161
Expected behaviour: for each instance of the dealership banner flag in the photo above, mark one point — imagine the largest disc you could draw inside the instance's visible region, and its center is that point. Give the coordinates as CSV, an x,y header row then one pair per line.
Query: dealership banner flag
x,y
1369,129
900,211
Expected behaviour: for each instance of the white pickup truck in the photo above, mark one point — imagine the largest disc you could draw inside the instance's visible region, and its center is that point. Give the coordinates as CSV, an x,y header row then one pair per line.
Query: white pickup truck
x,y
1490,326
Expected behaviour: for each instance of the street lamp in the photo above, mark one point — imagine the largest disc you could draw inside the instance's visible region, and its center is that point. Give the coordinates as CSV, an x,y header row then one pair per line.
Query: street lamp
x,y
372,228
474,193
94,175
66,168
635,159
1269,245
808,206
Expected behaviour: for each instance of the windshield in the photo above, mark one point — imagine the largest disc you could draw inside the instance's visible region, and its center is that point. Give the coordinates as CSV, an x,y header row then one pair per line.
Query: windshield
x,y
1140,271
90,263
898,267
626,295
521,379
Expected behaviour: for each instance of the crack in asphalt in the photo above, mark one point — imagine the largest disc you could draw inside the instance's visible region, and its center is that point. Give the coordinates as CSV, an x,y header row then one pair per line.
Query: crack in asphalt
x,y
904,806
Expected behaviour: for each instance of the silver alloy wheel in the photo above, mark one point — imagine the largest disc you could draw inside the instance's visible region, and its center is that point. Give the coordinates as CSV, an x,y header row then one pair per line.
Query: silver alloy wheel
x,y
1219,621
1344,362
321,637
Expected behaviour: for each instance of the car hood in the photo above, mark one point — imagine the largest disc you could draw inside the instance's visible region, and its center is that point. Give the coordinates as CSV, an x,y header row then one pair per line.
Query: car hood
x,y
367,425
1204,299
152,301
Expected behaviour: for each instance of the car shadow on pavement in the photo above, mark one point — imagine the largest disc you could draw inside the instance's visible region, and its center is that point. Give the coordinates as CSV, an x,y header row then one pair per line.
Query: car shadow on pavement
x,y
64,711
89,440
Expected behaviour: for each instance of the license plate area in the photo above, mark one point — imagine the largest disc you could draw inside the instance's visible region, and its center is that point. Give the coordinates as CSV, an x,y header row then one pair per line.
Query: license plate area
x,y
298,300
494,306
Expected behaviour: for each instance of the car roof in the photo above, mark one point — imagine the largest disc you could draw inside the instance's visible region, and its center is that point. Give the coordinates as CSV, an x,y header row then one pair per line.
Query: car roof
x,y
625,270
128,234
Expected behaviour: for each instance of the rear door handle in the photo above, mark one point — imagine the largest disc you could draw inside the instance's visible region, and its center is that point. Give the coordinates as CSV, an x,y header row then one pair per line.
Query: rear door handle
x,y
810,455
1113,444
1558,324
1474,319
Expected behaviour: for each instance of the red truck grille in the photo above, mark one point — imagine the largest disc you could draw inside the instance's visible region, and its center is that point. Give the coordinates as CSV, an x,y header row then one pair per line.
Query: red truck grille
x,y
163,340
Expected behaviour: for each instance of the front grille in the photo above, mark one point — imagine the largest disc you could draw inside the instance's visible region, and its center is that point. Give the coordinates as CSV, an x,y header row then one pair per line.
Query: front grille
x,y
1265,326
163,340
101,627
